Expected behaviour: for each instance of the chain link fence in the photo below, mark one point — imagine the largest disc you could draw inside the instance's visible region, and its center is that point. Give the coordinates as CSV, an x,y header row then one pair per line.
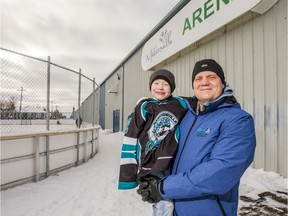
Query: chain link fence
x,y
39,95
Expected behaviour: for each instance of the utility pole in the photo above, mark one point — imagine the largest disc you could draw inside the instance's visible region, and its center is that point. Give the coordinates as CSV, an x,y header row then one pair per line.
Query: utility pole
x,y
21,98
52,112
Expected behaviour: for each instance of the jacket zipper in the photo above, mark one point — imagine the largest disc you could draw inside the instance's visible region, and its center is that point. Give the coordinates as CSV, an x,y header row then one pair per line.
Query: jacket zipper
x,y
220,205
176,170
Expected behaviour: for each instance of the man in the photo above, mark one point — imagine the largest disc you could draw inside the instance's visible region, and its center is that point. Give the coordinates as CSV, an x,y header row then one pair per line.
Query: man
x,y
216,146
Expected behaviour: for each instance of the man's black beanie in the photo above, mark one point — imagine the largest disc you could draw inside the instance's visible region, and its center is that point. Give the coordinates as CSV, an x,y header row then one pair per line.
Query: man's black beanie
x,y
208,65
165,75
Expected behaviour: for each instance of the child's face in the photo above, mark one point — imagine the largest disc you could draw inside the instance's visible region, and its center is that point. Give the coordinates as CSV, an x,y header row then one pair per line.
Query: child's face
x,y
160,89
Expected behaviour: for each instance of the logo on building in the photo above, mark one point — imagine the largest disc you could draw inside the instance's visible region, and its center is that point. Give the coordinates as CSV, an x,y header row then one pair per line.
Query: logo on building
x,y
165,40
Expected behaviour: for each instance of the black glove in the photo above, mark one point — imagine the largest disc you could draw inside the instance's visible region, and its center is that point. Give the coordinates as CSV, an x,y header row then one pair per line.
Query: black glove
x,y
148,189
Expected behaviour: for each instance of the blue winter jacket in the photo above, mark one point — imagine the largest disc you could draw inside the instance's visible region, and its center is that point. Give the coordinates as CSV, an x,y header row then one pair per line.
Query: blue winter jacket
x,y
215,149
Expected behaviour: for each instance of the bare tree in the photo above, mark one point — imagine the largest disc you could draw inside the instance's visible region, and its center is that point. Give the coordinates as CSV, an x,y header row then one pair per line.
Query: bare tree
x,y
7,107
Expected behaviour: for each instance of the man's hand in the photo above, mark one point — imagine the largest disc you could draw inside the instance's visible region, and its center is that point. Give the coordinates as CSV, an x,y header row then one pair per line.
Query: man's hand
x,y
148,189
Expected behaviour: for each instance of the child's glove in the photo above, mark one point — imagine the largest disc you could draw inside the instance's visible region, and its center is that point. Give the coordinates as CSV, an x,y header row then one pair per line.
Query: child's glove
x,y
148,189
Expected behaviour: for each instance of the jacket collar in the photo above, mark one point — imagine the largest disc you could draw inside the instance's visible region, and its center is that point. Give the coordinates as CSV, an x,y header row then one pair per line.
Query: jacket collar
x,y
226,99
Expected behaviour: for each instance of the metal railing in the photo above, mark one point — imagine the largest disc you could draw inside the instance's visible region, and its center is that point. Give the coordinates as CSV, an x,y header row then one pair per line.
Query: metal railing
x,y
36,156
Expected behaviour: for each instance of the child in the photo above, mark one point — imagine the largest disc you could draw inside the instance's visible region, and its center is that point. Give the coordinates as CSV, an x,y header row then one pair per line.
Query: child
x,y
151,136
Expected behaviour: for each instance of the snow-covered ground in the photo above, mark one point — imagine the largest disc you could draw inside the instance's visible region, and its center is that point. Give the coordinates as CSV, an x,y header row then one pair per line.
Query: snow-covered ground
x,y
91,190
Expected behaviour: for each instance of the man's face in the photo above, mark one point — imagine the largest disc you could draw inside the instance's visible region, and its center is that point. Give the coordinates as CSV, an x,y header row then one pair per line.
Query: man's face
x,y
207,86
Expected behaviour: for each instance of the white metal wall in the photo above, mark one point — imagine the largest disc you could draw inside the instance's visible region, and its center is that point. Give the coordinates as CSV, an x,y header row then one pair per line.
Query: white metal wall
x,y
113,100
86,108
136,83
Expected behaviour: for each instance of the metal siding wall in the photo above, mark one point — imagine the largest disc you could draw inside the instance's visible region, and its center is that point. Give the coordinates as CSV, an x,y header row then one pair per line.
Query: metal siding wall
x,y
86,108
229,68
102,106
113,100
136,84
282,80
270,91
248,75
259,98
181,70
238,64
183,77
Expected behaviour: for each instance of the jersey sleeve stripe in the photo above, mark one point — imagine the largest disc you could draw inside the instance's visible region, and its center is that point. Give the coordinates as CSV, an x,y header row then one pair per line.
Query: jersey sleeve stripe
x,y
129,140
128,161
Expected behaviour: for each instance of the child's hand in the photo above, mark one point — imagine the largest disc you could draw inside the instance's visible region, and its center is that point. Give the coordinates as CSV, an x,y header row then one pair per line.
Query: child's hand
x,y
148,189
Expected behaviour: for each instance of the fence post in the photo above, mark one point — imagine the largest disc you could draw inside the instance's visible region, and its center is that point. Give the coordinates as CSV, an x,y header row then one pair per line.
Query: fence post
x,y
93,113
79,100
99,100
97,141
48,118
93,106
122,100
92,143
85,150
79,117
48,96
37,165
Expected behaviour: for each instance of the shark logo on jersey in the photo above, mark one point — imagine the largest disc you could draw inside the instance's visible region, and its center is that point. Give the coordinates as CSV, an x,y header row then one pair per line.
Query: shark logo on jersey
x,y
161,126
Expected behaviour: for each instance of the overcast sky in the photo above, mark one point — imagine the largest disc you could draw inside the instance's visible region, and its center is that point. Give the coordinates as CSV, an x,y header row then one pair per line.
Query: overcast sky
x,y
94,35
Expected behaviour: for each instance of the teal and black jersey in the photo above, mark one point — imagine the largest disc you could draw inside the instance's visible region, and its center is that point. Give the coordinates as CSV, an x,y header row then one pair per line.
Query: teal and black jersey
x,y
150,140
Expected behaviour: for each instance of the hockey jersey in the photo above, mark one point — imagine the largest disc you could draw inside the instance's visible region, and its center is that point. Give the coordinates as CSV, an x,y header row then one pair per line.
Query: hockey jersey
x,y
150,140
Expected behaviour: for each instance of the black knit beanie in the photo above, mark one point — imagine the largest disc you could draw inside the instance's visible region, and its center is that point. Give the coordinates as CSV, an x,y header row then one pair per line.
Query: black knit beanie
x,y
165,75
208,65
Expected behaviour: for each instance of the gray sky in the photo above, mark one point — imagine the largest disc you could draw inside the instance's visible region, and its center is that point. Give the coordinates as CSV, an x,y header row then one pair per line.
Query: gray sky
x,y
94,35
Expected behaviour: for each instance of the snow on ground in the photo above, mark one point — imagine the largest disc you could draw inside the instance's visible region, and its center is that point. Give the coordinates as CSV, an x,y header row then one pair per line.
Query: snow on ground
x,y
91,190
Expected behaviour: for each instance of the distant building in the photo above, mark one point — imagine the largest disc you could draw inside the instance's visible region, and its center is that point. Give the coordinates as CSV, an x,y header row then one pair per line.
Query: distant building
x,y
29,112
